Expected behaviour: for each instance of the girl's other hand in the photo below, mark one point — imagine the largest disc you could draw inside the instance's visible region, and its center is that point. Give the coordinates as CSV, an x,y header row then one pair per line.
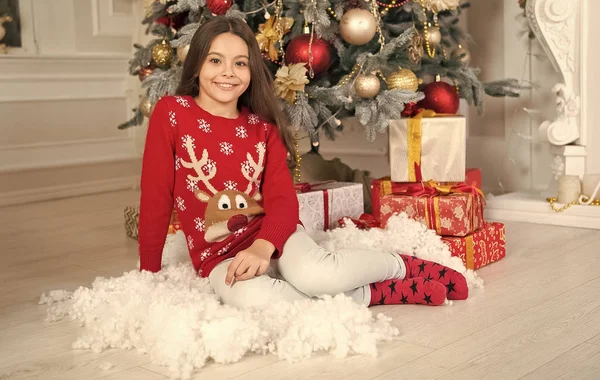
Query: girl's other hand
x,y
251,262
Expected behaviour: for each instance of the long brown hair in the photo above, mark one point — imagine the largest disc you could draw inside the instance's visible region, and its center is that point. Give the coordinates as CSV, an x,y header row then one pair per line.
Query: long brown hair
x,y
260,96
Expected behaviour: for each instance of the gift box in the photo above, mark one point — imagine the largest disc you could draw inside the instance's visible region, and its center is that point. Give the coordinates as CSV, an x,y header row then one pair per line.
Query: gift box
x,y
384,186
480,248
132,221
428,147
323,204
455,210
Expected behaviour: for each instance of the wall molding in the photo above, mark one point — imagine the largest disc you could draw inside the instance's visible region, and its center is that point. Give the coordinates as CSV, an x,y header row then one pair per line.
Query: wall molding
x,y
65,191
66,153
108,23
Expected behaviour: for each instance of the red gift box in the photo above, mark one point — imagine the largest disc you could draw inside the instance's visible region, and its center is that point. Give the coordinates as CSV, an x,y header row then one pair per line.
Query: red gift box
x,y
384,186
480,248
450,210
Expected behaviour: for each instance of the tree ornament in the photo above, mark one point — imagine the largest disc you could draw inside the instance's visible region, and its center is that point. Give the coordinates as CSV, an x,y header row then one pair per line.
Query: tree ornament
x,y
270,33
182,52
440,97
434,37
462,54
162,54
441,5
146,107
367,85
144,73
218,7
403,79
358,26
416,50
290,79
298,51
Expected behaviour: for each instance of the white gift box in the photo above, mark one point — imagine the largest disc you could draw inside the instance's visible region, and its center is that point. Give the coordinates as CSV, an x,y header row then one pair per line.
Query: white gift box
x,y
343,199
438,142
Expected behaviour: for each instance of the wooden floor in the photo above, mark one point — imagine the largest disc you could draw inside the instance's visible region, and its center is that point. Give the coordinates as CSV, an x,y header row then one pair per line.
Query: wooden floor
x,y
537,318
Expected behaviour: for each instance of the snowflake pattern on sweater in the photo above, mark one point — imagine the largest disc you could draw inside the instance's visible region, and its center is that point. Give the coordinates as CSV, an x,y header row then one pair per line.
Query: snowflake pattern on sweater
x,y
227,178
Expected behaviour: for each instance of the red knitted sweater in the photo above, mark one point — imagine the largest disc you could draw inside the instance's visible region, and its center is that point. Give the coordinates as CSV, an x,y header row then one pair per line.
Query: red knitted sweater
x,y
227,178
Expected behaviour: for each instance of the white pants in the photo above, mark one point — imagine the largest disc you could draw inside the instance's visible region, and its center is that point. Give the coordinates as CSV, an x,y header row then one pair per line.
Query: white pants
x,y
306,270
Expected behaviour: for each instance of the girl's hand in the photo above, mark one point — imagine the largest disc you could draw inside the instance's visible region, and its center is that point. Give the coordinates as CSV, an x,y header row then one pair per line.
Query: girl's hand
x,y
251,262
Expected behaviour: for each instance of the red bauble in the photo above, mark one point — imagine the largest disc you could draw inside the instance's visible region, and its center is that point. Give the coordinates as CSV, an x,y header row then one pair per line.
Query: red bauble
x,y
440,97
163,20
219,7
297,52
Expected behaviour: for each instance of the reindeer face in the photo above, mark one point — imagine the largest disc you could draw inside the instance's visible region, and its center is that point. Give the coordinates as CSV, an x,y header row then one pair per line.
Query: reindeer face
x,y
227,211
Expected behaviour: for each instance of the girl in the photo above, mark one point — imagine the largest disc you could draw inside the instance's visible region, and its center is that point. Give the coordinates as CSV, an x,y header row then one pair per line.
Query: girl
x,y
217,151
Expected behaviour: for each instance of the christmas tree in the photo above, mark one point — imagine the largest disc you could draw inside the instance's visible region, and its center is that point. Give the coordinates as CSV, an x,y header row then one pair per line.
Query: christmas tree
x,y
377,60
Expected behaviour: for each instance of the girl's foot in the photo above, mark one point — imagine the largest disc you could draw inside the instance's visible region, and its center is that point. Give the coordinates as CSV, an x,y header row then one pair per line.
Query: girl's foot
x,y
455,283
415,290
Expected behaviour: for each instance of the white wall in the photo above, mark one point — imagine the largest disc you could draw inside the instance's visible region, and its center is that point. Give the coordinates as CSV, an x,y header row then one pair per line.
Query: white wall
x,y
63,96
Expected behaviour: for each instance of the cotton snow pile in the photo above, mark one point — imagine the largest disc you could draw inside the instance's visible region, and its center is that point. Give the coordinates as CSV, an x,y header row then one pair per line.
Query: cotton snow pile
x,y
175,317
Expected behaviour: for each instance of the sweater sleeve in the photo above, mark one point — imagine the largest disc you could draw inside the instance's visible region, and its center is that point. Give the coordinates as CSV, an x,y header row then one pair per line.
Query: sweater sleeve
x,y
158,177
280,200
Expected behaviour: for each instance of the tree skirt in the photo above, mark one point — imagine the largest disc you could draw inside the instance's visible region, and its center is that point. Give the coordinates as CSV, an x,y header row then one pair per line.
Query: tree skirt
x,y
175,317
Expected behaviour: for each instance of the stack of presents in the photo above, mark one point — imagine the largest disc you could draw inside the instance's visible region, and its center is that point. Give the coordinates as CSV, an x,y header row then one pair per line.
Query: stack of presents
x,y
428,181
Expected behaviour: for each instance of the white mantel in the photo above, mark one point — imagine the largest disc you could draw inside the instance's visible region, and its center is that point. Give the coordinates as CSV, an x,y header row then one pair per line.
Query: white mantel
x,y
564,30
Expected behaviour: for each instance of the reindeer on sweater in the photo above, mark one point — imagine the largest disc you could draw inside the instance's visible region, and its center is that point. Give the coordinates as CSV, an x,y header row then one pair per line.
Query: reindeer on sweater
x,y
229,210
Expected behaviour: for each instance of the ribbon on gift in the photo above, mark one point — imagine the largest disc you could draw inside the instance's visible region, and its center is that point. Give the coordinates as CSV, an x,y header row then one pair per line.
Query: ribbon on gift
x,y
432,190
305,187
414,136
469,252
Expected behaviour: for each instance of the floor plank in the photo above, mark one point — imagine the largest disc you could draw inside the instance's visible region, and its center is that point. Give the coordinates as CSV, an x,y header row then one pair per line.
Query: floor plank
x,y
517,345
583,360
594,283
76,365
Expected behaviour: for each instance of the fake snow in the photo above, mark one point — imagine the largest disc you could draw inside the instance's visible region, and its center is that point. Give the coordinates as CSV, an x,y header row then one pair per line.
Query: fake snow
x,y
175,317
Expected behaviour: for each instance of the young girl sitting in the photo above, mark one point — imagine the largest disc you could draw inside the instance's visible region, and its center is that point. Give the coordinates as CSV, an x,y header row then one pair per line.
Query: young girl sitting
x,y
218,152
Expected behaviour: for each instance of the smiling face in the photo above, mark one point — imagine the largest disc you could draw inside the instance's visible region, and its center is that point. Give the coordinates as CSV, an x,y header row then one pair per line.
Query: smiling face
x,y
225,73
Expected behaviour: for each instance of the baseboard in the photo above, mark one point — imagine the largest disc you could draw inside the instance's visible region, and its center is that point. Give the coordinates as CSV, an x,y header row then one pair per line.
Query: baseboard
x,y
524,207
66,191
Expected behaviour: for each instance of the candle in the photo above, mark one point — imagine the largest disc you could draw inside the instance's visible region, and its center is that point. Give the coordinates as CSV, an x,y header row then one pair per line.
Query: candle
x,y
569,188
590,181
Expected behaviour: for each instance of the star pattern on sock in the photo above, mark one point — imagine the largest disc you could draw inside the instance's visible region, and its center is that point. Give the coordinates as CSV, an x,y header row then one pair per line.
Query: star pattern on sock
x,y
427,298
413,287
392,287
443,273
450,287
404,299
422,268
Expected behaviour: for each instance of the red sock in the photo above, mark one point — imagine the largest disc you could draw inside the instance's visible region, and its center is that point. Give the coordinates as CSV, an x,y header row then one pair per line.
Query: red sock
x,y
455,283
416,290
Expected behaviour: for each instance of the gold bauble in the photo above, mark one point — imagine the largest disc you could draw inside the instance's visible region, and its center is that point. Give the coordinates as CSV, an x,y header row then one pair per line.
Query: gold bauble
x,y
146,107
462,54
434,36
403,79
162,54
182,52
367,85
358,26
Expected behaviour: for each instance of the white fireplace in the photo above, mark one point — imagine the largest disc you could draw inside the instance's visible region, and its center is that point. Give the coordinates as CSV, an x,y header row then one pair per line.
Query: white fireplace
x,y
565,33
